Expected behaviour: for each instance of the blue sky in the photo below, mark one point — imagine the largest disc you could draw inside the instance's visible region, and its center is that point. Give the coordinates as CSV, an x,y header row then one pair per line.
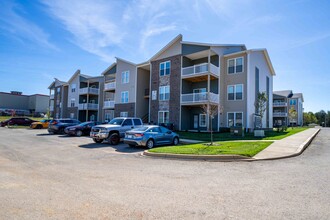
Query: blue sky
x,y
40,40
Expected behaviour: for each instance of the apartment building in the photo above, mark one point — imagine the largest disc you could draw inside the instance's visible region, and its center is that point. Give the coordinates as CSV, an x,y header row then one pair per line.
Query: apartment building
x,y
79,98
186,76
283,101
174,85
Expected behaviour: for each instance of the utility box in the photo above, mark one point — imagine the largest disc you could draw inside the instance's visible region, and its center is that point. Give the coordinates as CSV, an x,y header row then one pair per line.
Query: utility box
x,y
237,131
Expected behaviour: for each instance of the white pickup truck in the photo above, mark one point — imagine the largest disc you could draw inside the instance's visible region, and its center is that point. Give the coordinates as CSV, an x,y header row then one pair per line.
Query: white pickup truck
x,y
114,130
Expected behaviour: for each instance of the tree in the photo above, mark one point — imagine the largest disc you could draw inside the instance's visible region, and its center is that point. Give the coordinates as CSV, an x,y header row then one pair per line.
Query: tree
x,y
261,104
321,117
292,114
309,118
211,111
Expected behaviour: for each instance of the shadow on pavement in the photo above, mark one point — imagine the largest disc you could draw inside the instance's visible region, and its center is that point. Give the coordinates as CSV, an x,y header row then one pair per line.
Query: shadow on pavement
x,y
122,148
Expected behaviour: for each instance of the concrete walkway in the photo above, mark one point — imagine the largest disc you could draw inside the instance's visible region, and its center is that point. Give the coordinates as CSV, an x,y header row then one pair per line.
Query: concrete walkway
x,y
288,147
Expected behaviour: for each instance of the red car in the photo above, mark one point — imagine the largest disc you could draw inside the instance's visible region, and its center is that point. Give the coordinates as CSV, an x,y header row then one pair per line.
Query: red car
x,y
17,121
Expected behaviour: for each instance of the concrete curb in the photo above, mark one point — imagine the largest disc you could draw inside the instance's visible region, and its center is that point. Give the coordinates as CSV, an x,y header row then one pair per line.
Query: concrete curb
x,y
299,150
228,158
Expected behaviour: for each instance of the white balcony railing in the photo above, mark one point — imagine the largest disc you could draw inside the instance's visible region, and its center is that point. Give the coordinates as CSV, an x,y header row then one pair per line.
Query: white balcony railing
x,y
110,86
52,96
89,90
200,69
195,98
51,108
279,104
280,114
88,106
109,104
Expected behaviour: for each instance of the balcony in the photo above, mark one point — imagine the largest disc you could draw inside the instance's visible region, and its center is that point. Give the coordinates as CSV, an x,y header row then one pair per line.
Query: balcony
x,y
109,104
280,104
52,96
89,90
280,114
199,98
51,108
110,86
88,106
200,69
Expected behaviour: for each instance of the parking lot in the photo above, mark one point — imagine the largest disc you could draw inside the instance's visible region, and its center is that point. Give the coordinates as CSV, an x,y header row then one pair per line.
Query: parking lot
x,y
58,177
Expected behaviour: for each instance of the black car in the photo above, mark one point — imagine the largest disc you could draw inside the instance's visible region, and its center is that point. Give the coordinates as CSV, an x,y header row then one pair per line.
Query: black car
x,y
17,121
81,129
57,126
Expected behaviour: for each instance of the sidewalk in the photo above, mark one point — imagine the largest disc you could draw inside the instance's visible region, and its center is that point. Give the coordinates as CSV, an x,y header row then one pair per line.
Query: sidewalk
x,y
288,147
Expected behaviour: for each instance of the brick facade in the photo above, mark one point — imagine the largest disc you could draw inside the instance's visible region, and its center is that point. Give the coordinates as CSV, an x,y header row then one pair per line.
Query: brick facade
x,y
173,80
126,107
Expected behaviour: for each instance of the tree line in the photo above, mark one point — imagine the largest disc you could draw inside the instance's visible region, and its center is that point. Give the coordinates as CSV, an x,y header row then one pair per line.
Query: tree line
x,y
321,118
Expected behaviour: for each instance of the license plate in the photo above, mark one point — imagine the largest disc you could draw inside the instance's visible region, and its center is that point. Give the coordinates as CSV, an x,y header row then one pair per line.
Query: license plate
x,y
129,136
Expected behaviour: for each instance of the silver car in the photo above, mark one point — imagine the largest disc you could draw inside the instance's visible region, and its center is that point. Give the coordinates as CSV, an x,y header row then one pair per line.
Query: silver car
x,y
150,136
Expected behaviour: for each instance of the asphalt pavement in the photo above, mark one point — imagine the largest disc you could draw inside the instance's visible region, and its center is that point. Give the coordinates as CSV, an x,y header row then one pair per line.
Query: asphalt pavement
x,y
57,177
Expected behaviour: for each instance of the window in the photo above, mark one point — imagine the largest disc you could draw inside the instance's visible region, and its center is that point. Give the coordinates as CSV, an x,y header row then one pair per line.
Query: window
x,y
164,68
235,92
128,122
73,88
163,117
154,129
235,119
73,103
293,102
124,97
71,115
164,92
202,120
123,114
137,122
235,65
125,77
58,90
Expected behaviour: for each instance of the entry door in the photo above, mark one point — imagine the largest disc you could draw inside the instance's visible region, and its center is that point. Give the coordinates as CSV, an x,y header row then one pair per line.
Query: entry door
x,y
196,118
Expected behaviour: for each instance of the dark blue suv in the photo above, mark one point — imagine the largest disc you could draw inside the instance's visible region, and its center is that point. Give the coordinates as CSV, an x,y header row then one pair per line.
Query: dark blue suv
x,y
57,126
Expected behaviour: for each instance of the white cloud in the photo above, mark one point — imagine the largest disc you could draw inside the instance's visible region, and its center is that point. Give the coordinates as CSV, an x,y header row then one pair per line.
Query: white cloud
x,y
20,28
91,23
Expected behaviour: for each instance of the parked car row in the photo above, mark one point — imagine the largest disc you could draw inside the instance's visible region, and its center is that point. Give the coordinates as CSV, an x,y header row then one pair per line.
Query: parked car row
x,y
129,130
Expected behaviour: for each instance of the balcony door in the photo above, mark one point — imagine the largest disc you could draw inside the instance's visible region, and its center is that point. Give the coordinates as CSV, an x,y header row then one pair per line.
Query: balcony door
x,y
196,121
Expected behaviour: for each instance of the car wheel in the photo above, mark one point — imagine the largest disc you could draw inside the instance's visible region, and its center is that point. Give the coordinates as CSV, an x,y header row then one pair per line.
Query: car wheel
x,y
114,139
39,126
176,141
61,131
78,133
97,140
150,144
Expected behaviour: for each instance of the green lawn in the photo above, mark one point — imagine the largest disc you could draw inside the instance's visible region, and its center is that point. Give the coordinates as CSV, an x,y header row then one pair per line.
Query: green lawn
x,y
248,149
269,135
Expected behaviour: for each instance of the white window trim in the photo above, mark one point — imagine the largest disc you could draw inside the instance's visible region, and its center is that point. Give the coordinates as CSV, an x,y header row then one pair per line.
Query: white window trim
x,y
235,93
235,118
200,125
235,65
125,77
70,104
165,67
163,113
121,97
73,87
169,92
123,114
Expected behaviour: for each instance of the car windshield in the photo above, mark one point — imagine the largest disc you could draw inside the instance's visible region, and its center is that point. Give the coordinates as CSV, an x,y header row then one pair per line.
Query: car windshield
x,y
85,123
44,120
140,129
116,121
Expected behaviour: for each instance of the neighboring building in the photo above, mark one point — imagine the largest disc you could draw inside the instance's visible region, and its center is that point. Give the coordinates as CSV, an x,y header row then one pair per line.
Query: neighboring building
x,y
174,84
58,91
283,101
28,104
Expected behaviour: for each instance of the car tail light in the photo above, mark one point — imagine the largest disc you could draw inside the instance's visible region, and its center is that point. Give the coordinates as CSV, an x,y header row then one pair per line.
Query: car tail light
x,y
54,122
138,135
